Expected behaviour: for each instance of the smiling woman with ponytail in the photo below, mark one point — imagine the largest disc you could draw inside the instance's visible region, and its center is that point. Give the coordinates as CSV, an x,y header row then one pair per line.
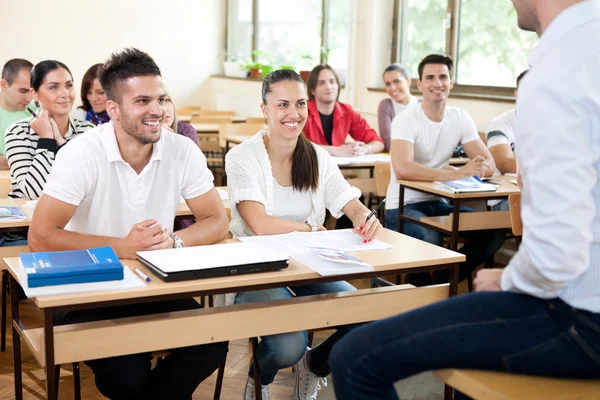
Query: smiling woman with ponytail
x,y
279,182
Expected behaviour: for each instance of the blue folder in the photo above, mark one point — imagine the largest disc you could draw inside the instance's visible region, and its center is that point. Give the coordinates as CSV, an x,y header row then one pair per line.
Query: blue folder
x,y
75,266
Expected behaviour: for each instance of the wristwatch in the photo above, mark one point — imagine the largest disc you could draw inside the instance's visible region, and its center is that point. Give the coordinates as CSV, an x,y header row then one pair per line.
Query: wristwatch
x,y
313,228
177,242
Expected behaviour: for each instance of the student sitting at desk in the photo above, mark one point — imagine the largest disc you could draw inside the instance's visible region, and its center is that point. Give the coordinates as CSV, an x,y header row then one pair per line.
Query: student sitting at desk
x,y
329,122
423,139
32,144
501,142
93,98
541,314
397,86
279,183
120,185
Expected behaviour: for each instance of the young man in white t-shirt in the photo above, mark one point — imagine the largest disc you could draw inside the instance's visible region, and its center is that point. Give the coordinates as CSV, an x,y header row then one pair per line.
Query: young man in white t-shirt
x,y
501,142
121,186
423,140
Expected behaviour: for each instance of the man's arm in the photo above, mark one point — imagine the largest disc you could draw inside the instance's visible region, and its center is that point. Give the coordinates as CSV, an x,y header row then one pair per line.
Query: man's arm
x,y
476,148
211,225
47,233
406,168
3,163
504,158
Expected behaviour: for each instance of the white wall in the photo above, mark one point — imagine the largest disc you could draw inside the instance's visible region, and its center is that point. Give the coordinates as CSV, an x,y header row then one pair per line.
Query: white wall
x,y
185,37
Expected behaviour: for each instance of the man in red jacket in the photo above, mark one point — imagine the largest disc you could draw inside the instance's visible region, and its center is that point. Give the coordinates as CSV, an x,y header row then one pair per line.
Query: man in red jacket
x,y
329,121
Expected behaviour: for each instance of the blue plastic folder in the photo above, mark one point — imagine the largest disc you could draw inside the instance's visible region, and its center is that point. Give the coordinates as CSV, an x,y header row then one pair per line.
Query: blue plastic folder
x,y
76,266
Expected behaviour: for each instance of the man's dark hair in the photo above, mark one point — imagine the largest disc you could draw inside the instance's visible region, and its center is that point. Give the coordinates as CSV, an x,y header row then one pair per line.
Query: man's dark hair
x,y
12,67
435,59
521,76
313,78
129,63
397,67
305,165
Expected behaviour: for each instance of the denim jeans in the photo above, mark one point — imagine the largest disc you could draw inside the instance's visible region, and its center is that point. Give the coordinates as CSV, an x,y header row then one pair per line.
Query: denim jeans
x,y
481,246
275,352
495,331
502,206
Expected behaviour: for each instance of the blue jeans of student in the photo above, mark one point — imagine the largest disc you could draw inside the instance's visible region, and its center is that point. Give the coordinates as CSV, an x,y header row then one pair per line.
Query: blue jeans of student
x,y
495,331
481,246
275,352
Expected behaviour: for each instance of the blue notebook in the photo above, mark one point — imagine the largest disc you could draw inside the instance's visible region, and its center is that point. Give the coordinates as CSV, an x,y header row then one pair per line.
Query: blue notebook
x,y
469,185
76,266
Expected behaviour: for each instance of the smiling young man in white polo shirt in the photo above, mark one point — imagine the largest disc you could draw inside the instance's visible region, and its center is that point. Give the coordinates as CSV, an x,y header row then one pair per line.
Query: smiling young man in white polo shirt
x,y
121,186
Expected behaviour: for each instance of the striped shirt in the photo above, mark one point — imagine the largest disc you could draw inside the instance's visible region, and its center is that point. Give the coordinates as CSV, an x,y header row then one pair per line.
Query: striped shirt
x,y
30,157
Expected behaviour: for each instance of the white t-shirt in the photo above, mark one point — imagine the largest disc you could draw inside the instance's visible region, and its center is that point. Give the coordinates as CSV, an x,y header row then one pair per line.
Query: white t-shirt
x,y
399,107
291,204
111,197
434,143
501,130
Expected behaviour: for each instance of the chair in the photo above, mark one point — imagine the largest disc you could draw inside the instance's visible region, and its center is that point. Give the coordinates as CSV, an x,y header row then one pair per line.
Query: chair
x,y
188,110
246,129
216,113
203,119
382,180
6,252
514,204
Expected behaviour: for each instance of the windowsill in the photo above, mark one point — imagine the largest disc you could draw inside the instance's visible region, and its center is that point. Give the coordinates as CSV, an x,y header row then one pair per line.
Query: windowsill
x,y
457,94
247,79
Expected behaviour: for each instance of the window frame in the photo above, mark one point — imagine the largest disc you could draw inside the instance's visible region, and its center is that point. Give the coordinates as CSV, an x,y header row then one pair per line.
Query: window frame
x,y
502,93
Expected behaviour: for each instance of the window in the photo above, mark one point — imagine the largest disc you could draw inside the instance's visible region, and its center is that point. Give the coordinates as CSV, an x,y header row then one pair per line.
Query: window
x,y
488,48
289,33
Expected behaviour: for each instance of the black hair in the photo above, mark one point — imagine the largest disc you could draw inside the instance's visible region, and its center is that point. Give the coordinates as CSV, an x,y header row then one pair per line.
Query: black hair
x,y
12,67
305,165
397,67
43,68
435,59
129,63
521,76
313,79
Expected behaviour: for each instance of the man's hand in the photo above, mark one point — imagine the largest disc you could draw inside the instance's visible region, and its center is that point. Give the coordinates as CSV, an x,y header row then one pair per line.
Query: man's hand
x,y
146,235
361,149
475,167
345,150
488,280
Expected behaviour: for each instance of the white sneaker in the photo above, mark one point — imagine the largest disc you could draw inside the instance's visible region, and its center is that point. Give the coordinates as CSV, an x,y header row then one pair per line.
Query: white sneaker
x,y
307,384
249,394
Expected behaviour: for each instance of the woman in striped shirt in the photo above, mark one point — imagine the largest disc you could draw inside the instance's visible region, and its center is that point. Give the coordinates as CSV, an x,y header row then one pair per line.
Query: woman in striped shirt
x,y
32,144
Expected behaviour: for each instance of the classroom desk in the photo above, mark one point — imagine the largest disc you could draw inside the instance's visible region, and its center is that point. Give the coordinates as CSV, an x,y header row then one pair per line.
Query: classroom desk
x,y
52,346
206,128
187,118
459,161
452,224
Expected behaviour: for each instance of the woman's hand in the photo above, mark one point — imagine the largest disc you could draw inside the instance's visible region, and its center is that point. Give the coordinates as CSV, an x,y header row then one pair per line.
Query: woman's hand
x,y
60,140
41,124
368,229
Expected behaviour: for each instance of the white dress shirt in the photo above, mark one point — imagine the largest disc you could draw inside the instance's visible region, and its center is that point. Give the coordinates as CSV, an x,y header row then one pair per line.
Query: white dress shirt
x,y
558,152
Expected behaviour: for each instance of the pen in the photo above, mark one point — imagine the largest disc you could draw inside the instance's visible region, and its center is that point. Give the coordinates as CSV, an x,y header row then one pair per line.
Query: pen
x,y
31,112
142,275
376,209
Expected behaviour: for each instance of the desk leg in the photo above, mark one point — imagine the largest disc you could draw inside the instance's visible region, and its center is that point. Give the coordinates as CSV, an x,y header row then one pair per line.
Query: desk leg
x,y
448,392
455,216
454,280
51,393
16,338
224,177
4,316
400,209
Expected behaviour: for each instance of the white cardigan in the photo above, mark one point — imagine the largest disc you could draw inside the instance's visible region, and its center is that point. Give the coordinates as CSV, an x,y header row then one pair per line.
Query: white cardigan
x,y
250,178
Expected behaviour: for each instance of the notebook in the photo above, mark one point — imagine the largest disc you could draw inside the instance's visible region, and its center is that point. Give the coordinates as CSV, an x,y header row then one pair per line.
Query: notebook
x,y
211,261
12,214
75,266
468,185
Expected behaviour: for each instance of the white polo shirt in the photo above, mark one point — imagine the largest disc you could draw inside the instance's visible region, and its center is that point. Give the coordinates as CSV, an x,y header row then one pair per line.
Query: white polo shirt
x,y
111,197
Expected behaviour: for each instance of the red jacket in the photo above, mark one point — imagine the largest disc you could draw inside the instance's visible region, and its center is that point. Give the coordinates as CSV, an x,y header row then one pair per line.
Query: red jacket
x,y
345,121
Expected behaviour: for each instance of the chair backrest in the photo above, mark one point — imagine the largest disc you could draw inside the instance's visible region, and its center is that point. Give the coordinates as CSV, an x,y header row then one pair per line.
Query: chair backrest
x,y
199,119
217,113
255,120
514,203
382,178
188,110
239,130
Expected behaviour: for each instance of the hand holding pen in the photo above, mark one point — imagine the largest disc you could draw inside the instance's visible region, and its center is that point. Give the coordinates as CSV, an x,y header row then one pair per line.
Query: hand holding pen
x,y
369,226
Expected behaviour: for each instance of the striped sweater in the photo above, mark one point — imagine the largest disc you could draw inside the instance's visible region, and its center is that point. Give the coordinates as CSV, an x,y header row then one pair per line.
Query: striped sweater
x,y
30,157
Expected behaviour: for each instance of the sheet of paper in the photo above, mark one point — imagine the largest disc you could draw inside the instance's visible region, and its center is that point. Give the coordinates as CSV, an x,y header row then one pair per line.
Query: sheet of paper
x,y
366,159
214,256
30,204
130,281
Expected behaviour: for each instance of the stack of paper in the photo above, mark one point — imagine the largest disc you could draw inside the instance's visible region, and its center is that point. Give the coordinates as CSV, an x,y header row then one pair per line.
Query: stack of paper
x,y
366,159
468,185
12,214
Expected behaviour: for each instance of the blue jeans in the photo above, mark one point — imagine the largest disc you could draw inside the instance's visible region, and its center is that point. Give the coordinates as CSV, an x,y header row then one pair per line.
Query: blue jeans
x,y
275,352
495,331
502,206
481,246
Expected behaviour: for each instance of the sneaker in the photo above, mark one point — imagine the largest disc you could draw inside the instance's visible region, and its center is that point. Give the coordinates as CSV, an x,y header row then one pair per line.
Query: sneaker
x,y
249,394
307,384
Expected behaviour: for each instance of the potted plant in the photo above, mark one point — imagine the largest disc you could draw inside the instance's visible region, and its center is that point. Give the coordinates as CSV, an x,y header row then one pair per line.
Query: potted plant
x,y
234,68
253,69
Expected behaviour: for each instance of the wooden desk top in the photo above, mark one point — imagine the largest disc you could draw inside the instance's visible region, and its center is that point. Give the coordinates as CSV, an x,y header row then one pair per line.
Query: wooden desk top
x,y
187,118
237,139
5,174
506,188
459,160
406,253
206,128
